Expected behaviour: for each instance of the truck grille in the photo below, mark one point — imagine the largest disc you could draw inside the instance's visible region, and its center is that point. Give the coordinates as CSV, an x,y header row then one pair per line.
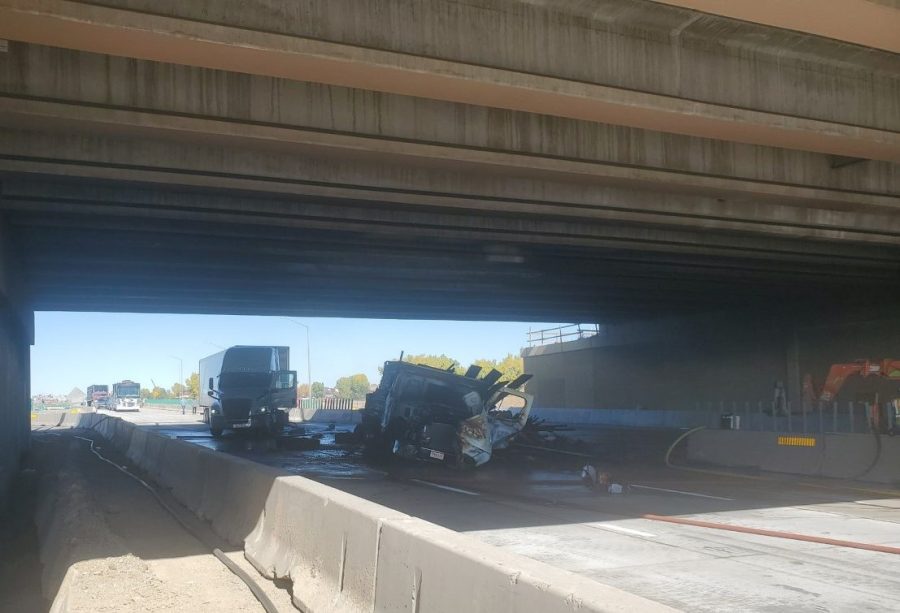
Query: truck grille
x,y
236,408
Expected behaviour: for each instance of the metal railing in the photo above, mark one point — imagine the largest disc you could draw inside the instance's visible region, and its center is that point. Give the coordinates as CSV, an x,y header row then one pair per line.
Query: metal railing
x,y
332,404
834,418
562,334
846,417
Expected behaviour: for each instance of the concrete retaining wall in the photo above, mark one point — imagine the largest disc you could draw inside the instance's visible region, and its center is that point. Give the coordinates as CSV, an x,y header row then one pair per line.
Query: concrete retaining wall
x,y
343,553
679,362
842,456
335,416
628,417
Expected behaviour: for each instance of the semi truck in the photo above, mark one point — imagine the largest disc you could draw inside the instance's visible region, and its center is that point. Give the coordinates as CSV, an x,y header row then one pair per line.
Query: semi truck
x,y
126,396
247,387
96,395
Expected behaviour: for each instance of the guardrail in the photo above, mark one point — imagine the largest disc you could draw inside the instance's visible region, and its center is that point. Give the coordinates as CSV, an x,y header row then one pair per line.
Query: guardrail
x,y
562,334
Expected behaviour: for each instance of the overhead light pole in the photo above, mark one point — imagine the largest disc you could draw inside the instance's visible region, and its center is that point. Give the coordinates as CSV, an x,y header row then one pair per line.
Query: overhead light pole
x,y
308,362
180,372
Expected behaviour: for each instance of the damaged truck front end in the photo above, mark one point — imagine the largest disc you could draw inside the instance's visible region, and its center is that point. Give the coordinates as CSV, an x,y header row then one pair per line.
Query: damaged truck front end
x,y
425,413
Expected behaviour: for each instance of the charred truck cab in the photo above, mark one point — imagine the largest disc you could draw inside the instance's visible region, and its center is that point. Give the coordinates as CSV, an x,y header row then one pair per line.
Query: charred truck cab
x,y
247,388
425,413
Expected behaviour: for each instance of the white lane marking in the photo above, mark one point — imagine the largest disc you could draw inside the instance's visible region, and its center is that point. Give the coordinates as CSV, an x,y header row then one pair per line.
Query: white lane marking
x,y
662,489
446,487
625,530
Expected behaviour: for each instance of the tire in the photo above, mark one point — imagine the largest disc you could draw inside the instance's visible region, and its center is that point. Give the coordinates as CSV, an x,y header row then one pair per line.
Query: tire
x,y
216,431
380,447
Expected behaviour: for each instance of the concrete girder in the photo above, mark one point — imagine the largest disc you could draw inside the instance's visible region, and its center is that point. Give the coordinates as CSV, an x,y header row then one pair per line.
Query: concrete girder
x,y
213,45
295,247
492,230
20,113
215,246
474,224
604,297
49,87
207,267
861,22
527,185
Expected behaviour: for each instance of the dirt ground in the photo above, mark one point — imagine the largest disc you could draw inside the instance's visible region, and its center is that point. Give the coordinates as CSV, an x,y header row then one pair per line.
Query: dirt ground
x,y
107,545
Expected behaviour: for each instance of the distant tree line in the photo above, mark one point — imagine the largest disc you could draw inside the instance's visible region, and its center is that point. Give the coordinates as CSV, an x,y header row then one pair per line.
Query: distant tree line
x,y
190,388
357,386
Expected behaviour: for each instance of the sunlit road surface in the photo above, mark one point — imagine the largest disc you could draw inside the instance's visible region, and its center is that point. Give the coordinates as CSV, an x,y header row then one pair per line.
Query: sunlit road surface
x,y
537,507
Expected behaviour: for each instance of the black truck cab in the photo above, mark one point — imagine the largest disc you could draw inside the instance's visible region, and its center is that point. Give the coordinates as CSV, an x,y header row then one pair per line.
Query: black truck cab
x,y
247,388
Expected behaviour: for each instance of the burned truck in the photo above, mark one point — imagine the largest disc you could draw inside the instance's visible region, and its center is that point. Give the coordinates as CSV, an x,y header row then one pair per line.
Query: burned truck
x,y
425,413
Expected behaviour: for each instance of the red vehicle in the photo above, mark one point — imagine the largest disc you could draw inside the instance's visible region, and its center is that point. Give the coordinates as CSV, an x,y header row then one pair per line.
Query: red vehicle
x,y
97,395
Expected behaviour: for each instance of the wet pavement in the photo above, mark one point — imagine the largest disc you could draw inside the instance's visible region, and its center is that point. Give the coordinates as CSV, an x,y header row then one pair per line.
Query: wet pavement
x,y
535,504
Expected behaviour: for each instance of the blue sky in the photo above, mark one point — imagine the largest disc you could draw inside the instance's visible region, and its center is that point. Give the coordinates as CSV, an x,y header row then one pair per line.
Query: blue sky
x,y
78,349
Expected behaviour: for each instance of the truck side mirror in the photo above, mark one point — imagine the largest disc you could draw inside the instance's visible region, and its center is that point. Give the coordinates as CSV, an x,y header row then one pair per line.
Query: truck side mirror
x,y
211,383
211,394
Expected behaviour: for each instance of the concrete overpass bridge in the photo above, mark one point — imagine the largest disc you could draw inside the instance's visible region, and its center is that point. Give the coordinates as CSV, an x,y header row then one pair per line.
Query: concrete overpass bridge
x,y
562,160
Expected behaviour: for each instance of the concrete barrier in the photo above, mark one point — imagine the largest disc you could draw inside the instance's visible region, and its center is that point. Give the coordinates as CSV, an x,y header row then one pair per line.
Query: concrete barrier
x,y
54,418
343,553
335,416
841,456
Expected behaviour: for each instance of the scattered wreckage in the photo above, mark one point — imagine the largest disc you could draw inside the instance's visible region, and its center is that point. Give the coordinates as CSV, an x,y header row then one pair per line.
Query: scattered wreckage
x,y
425,413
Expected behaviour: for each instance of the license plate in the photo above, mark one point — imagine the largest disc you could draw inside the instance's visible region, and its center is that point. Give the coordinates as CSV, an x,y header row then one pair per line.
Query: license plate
x,y
437,455
242,425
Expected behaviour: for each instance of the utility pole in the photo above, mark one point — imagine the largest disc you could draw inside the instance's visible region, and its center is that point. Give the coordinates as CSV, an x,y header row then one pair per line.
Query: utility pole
x,y
180,372
308,361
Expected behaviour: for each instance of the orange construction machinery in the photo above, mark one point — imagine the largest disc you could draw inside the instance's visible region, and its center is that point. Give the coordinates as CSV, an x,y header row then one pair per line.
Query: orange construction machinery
x,y
839,373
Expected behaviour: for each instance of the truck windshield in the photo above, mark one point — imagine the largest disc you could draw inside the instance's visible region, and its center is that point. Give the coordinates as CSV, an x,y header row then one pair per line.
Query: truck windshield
x,y
247,359
129,390
230,380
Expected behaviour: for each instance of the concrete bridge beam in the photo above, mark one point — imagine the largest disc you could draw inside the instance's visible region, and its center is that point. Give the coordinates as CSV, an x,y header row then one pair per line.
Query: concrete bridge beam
x,y
662,70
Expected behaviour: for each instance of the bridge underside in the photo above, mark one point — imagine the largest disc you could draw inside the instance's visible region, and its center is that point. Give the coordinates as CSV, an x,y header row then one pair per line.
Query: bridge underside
x,y
116,246
488,160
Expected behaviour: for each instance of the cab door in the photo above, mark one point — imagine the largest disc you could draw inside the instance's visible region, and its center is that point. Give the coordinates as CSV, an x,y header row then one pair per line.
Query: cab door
x,y
284,389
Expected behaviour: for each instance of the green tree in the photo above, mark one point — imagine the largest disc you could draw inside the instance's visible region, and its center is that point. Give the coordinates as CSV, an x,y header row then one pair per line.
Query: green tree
x,y
177,390
318,389
510,367
145,393
355,386
158,393
437,361
193,384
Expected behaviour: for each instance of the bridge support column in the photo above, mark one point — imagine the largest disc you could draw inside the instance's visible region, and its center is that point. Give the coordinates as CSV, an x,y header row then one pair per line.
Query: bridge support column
x,y
16,336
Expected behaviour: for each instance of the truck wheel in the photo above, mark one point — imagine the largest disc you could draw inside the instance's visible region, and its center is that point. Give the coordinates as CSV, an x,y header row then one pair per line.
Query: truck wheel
x,y
275,426
216,431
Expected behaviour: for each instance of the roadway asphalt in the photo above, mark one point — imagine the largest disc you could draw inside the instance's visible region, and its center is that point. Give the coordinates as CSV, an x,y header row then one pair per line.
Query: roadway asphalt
x,y
535,505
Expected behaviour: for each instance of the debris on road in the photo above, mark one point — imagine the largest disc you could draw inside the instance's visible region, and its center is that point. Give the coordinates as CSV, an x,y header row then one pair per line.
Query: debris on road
x,y
425,413
600,481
